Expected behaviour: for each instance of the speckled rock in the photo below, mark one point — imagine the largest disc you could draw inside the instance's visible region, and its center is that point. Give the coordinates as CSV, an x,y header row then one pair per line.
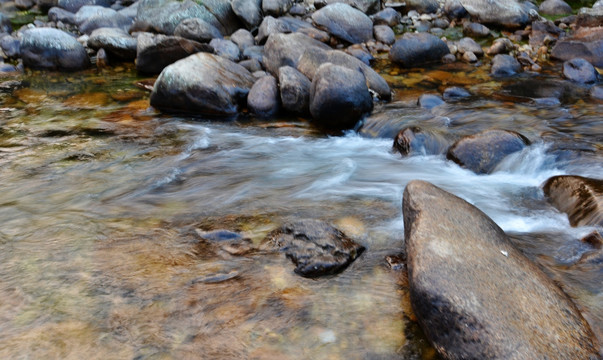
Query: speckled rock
x,y
579,197
197,29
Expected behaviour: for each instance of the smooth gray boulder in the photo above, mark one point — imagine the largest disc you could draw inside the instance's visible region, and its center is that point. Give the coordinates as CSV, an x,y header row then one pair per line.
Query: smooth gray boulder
x,y
276,7
115,20
197,29
504,65
423,6
5,25
312,59
74,5
226,48
202,83
295,90
243,38
263,97
554,7
315,247
339,97
580,71
163,16
508,13
222,10
155,51
249,11
366,6
475,295
116,42
482,152
287,49
271,26
415,49
57,14
387,16
11,46
344,22
579,197
87,12
52,49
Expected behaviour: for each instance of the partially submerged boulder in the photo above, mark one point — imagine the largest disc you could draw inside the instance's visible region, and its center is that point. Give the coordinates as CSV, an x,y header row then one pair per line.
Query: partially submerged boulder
x,y
482,152
202,83
579,197
52,49
475,295
315,247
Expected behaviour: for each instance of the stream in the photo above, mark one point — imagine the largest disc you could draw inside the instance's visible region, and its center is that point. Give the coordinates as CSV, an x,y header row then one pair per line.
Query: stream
x,y
102,198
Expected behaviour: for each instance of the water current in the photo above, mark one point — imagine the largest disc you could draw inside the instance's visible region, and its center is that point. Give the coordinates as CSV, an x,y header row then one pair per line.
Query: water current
x,y
102,198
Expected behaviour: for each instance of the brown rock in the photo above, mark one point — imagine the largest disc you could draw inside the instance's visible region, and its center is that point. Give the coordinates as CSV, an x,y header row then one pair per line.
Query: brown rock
x,y
579,197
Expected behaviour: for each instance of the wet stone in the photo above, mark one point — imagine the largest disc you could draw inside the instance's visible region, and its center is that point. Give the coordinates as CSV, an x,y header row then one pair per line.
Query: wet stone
x,y
504,65
315,247
580,71
579,197
416,141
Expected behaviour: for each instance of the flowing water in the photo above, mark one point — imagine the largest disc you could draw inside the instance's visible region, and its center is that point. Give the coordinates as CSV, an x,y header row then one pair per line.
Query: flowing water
x,y
102,199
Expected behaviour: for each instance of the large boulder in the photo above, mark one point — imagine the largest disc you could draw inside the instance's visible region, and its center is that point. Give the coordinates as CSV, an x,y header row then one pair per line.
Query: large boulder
x,y
312,59
5,25
163,16
263,98
366,6
295,90
579,197
586,43
197,29
508,13
315,247
579,70
475,295
482,152
249,11
116,42
415,49
339,97
155,51
202,83
276,7
287,49
52,49
344,22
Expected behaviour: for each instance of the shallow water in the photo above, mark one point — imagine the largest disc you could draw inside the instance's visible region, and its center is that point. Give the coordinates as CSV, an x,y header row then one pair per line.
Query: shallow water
x,y
102,197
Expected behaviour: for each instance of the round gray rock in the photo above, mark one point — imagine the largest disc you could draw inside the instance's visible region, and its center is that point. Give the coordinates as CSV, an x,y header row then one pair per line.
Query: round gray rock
x,y
344,22
339,97
418,48
249,11
385,34
475,295
202,83
52,49
263,98
155,51
226,48
295,90
508,13
276,7
580,71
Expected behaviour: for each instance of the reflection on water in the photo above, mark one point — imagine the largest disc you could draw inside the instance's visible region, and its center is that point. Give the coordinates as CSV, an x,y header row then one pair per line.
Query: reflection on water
x,y
102,197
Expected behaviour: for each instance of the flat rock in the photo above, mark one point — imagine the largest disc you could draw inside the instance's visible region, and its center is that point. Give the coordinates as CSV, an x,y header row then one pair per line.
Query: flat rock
x,y
156,51
263,98
344,22
579,197
276,7
116,42
586,43
315,247
483,151
163,16
415,49
52,49
202,83
508,13
339,97
475,295
294,90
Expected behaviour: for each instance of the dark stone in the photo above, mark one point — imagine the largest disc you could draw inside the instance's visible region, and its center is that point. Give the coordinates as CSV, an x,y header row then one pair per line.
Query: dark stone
x,y
597,92
24,4
254,52
543,30
198,30
243,38
579,197
339,97
429,101
102,59
313,58
249,11
415,49
263,98
52,49
295,90
297,10
163,16
554,7
202,83
475,295
57,14
475,30
11,46
594,239
156,51
387,16
5,26
416,141
385,34
116,42
455,93
423,6
482,152
504,65
315,247
580,71
454,9
344,22
74,5
252,65
287,49
508,13
276,7
226,48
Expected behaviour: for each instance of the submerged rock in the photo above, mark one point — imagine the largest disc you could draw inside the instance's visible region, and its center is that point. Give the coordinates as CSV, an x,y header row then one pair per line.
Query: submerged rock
x,y
339,97
315,247
482,152
504,65
197,30
475,295
202,83
52,49
579,197
287,49
416,141
344,22
415,49
115,41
